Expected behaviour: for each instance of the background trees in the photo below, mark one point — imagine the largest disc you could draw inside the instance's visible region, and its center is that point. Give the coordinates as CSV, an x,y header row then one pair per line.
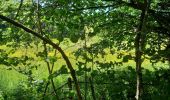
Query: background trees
x,y
107,38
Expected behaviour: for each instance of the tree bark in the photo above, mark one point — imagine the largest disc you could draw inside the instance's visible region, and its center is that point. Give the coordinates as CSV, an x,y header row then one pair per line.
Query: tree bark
x,y
139,47
70,87
92,88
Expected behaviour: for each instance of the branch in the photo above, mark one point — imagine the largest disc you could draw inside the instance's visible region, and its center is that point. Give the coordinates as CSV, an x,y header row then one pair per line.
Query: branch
x,y
19,8
69,65
46,52
159,18
94,7
140,6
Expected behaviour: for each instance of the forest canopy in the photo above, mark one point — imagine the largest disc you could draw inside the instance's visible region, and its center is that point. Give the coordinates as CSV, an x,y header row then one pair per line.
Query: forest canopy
x,y
84,49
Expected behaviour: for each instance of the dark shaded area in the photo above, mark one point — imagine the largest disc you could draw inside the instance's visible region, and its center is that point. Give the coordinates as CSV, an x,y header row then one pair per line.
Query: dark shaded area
x,y
108,85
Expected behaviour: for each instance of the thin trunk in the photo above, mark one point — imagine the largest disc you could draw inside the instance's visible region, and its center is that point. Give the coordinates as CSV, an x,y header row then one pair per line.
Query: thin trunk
x,y
45,51
139,86
92,88
86,85
70,87
46,86
91,78
51,80
139,47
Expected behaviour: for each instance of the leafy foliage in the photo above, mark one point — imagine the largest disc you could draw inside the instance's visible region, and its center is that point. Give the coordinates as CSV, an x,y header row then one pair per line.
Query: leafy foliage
x,y
108,60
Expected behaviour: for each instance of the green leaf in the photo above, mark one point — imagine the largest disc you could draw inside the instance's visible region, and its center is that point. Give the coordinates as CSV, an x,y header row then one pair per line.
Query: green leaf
x,y
52,59
126,58
63,70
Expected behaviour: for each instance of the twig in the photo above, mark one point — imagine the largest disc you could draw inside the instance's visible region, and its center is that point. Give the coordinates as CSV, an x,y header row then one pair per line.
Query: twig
x,y
19,8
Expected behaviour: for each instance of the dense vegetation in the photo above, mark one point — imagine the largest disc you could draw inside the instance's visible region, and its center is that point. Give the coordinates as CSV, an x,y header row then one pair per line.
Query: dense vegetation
x,y
84,49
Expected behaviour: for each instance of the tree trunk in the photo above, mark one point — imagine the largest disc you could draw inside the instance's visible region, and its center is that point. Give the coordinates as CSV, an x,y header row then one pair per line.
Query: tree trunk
x,y
139,47
70,87
92,88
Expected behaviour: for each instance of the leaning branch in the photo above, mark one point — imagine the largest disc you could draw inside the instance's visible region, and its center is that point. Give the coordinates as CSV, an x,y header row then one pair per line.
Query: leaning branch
x,y
72,71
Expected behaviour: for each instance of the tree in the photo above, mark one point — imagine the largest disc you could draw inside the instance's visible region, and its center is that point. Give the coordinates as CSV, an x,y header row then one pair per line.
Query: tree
x,y
116,22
